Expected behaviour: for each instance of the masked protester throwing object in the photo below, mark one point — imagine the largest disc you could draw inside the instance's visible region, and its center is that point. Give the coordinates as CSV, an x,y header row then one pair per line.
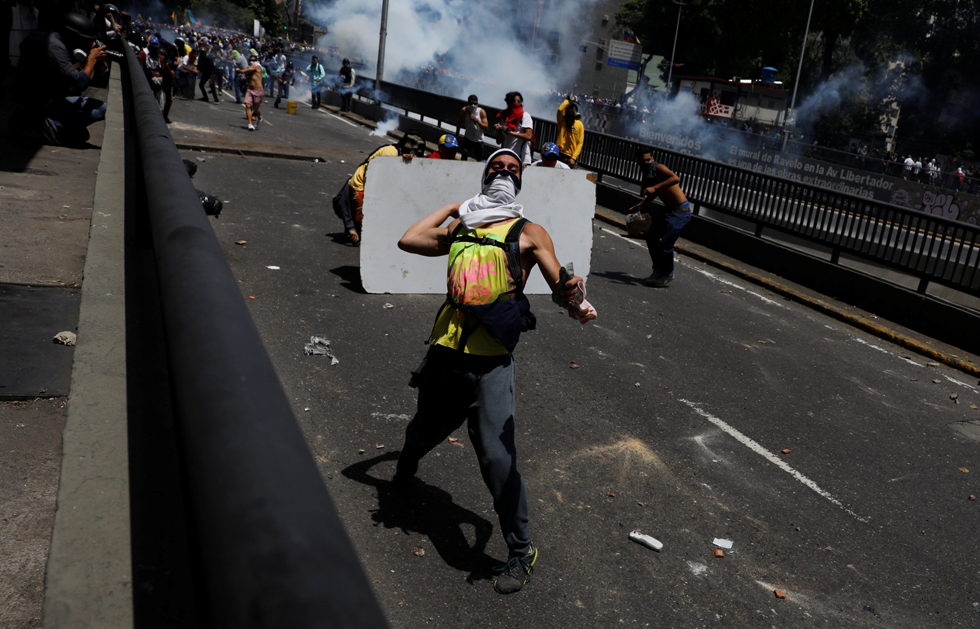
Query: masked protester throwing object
x,y
468,374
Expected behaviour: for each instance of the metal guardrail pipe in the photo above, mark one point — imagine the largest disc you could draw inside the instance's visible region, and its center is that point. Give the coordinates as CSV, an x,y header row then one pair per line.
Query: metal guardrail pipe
x,y
274,551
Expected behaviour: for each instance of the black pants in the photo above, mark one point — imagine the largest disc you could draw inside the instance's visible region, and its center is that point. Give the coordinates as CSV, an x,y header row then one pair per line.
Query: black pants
x,y
471,148
315,97
346,98
566,159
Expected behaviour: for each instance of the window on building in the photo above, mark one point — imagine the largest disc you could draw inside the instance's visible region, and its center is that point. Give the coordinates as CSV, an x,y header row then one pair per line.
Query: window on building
x,y
599,50
605,20
595,90
553,37
598,67
727,99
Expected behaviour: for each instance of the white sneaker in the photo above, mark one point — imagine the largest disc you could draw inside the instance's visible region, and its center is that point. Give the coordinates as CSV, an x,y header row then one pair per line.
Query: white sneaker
x,y
251,127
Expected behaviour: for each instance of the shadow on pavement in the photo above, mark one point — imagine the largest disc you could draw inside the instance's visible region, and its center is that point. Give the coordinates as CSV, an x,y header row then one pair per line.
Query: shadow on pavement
x,y
430,511
618,276
351,276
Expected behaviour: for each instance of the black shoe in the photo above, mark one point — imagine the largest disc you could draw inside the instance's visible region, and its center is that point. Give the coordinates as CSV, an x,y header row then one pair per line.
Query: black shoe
x,y
516,572
276,105
205,99
167,120
49,132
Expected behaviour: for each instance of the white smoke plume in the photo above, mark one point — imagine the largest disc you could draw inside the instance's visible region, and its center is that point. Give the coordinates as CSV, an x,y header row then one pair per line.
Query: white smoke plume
x,y
488,48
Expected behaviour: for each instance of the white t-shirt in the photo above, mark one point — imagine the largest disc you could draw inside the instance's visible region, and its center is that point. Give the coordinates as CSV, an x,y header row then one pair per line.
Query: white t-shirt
x,y
519,146
558,165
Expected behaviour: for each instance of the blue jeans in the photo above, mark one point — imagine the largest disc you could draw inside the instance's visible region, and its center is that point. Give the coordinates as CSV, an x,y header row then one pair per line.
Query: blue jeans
x,y
70,116
283,92
664,231
239,91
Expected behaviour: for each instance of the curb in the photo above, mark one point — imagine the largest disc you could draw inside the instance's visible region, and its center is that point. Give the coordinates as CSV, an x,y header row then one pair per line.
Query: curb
x,y
857,321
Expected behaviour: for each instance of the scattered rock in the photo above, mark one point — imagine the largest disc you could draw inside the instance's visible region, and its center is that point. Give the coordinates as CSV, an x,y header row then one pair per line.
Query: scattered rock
x,y
388,306
239,242
610,494
719,552
65,338
932,364
419,552
787,451
779,593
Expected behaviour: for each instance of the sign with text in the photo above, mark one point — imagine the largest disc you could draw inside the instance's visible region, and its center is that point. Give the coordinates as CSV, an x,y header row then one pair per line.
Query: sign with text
x,y
623,54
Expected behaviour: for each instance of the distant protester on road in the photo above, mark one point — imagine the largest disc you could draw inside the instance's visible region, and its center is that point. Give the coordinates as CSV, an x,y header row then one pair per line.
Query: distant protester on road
x,y
571,132
658,181
346,85
255,93
515,128
49,83
473,119
469,373
286,80
314,73
348,204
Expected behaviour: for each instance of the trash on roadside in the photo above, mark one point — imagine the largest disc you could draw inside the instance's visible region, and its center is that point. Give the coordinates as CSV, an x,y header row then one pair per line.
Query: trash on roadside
x,y
272,268
65,338
380,446
361,451
239,242
719,552
576,366
610,494
932,364
200,159
388,306
723,543
937,381
419,552
455,441
645,540
964,470
637,384
251,296
779,593
319,346
954,396
787,451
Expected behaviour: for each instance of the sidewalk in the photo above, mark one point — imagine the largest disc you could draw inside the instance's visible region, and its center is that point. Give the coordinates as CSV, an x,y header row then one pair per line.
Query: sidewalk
x,y
46,200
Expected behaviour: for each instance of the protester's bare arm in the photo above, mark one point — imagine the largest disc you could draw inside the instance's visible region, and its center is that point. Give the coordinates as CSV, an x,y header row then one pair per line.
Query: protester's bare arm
x,y
542,251
665,179
525,134
426,237
483,122
460,120
95,55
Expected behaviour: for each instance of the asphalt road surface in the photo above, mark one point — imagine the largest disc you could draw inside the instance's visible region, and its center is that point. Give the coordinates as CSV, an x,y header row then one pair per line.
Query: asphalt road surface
x,y
711,409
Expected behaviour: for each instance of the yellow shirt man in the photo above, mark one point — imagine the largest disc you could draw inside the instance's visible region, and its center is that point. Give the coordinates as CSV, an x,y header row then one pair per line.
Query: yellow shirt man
x,y
570,140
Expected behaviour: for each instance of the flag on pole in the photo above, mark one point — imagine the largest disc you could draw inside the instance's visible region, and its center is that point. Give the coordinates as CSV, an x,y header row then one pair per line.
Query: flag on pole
x,y
630,37
190,16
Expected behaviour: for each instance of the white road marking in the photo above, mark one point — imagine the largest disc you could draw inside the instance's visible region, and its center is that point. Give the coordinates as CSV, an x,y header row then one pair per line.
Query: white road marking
x,y
702,271
391,416
721,280
962,384
772,458
871,345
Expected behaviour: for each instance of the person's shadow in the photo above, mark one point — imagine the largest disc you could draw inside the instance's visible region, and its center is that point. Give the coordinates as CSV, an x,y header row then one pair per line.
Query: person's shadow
x,y
618,277
429,511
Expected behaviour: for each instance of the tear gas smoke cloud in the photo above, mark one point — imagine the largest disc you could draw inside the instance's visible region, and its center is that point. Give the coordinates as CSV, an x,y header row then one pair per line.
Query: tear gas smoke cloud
x,y
478,43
